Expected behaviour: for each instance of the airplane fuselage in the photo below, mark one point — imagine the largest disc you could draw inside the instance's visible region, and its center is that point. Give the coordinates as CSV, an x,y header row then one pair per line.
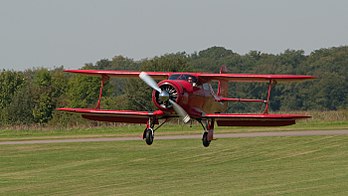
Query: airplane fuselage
x,y
196,97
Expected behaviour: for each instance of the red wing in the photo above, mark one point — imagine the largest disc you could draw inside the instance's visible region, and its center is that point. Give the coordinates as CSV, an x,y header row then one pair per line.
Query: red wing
x,y
255,119
203,76
126,116
121,74
253,77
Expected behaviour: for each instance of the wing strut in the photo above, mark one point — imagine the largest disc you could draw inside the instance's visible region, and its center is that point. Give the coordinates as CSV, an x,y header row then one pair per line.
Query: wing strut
x,y
104,78
265,101
268,96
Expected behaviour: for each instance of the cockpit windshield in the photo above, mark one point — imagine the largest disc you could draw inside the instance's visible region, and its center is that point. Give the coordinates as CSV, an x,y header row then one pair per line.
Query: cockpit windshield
x,y
187,77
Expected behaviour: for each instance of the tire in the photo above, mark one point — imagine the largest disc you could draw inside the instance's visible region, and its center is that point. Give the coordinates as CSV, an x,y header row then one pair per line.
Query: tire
x,y
205,140
149,136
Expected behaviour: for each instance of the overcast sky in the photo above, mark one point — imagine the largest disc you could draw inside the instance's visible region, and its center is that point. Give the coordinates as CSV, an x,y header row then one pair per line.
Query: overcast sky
x,y
48,33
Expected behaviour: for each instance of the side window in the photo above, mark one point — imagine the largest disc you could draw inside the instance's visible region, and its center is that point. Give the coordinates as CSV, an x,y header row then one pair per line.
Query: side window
x,y
206,87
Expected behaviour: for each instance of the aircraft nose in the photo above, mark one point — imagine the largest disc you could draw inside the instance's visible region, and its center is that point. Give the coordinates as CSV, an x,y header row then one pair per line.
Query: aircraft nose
x,y
164,96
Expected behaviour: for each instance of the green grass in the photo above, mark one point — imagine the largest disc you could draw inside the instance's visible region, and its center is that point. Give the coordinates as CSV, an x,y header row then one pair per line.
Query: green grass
x,y
315,165
168,129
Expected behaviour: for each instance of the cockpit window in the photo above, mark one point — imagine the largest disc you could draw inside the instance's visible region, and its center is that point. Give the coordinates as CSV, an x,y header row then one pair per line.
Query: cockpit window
x,y
174,77
187,77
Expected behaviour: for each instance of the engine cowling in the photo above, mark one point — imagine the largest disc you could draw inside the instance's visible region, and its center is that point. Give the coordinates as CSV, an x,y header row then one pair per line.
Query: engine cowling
x,y
170,90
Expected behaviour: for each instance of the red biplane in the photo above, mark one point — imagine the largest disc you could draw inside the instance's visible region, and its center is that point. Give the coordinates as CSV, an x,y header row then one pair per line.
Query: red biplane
x,y
190,96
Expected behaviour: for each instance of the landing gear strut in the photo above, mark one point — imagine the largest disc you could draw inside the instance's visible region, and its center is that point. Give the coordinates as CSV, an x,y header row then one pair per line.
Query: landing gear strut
x,y
149,132
208,134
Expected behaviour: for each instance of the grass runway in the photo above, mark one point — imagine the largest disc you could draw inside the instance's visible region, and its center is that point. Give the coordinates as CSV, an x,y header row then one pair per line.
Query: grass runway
x,y
311,165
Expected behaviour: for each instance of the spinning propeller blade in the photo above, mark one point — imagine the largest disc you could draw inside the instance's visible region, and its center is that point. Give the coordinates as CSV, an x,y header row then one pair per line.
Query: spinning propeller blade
x,y
149,81
178,109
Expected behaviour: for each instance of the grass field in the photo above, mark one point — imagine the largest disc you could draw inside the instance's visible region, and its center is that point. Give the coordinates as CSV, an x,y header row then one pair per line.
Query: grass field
x,y
311,165
315,165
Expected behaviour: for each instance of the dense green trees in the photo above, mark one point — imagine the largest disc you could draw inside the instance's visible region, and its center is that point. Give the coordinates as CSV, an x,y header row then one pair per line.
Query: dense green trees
x,y
31,96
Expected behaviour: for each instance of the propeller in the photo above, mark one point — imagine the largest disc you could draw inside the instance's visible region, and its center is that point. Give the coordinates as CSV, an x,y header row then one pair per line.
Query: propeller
x,y
180,111
152,83
149,81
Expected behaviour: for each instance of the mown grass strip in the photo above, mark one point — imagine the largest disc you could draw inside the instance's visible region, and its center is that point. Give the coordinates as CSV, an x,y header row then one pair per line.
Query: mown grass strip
x,y
315,165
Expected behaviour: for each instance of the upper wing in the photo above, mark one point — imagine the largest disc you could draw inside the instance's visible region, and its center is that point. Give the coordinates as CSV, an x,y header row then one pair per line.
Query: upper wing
x,y
255,119
126,116
120,74
253,77
202,76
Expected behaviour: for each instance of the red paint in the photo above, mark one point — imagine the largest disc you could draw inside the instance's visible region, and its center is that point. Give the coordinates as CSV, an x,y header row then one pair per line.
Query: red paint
x,y
203,76
256,116
106,118
126,116
268,96
120,74
103,80
198,100
178,87
241,100
108,112
264,122
254,77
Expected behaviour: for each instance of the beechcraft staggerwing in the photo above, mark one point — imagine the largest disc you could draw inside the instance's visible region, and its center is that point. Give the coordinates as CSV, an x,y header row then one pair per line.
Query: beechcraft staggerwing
x,y
190,96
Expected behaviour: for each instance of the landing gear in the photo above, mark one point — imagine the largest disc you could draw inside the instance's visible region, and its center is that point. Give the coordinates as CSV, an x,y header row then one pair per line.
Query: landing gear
x,y
148,136
205,140
149,132
208,134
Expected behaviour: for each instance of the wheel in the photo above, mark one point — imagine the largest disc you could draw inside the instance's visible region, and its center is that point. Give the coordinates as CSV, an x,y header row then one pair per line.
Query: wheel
x,y
149,136
205,140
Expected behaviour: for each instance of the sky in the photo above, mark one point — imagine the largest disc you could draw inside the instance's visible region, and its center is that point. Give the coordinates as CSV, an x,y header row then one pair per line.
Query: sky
x,y
41,33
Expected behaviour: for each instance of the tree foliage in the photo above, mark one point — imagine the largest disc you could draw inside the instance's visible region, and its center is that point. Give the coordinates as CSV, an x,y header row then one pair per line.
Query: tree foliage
x,y
31,96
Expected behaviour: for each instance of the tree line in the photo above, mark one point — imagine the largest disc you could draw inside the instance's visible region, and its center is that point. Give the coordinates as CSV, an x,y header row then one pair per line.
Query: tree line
x,y
31,96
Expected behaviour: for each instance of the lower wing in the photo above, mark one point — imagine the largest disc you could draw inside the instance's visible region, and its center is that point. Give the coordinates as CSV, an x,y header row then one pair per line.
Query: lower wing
x,y
126,116
255,119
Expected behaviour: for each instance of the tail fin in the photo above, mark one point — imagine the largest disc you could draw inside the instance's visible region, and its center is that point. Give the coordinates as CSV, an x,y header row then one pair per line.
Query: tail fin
x,y
223,84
